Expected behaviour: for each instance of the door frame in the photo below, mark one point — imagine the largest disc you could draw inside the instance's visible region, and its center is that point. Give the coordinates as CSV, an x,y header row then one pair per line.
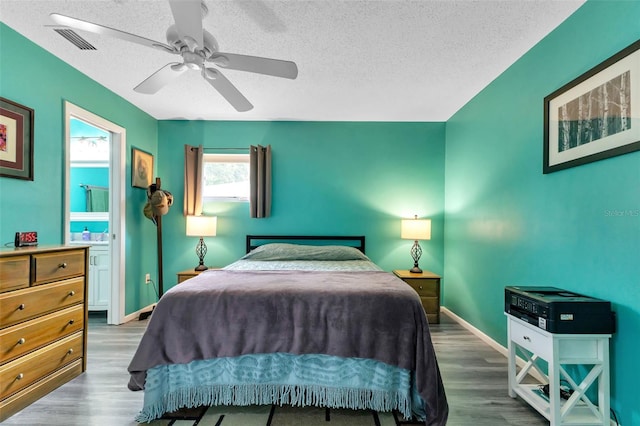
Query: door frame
x,y
117,201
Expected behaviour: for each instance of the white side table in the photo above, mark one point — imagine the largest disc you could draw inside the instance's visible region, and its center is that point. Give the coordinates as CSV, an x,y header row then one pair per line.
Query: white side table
x,y
559,350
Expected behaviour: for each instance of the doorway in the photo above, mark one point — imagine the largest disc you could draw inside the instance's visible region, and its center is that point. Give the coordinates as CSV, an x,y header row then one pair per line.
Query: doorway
x,y
94,204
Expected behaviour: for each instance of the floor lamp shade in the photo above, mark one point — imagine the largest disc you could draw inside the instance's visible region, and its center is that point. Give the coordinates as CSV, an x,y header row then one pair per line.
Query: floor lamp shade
x,y
416,229
201,226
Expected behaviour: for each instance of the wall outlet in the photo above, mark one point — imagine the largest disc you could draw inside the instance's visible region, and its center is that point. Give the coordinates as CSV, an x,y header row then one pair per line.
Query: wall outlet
x,y
147,278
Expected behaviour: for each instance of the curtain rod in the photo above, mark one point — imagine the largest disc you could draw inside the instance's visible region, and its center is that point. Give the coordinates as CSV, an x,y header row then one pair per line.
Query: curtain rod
x,y
223,149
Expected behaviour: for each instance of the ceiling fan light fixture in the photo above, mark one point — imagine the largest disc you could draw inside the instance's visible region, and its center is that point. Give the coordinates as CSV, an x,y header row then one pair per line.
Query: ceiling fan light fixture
x,y
179,67
209,73
220,60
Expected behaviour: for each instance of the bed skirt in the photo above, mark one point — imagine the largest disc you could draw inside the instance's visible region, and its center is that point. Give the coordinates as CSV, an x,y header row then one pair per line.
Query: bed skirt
x,y
279,378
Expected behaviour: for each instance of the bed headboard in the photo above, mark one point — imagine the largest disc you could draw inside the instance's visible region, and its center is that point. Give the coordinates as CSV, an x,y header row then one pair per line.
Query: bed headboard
x,y
254,241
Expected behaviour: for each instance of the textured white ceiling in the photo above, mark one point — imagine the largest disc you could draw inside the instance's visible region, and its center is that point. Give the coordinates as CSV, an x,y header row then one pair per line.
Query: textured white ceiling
x,y
357,60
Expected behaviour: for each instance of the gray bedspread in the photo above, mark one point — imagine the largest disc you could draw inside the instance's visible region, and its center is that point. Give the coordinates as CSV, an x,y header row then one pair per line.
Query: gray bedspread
x,y
228,313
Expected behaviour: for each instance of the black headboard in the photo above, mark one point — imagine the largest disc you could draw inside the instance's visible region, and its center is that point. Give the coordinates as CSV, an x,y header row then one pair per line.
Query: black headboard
x,y
254,241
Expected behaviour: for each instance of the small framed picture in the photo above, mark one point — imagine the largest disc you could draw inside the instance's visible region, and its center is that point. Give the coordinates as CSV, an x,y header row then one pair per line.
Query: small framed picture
x,y
16,140
595,116
141,168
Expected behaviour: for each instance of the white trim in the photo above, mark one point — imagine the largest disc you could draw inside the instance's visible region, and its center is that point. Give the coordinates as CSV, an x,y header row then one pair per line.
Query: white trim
x,y
90,164
488,340
89,216
226,158
117,202
135,315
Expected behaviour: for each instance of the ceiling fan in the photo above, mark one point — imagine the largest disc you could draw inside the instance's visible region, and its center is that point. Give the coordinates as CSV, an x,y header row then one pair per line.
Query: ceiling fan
x,y
197,47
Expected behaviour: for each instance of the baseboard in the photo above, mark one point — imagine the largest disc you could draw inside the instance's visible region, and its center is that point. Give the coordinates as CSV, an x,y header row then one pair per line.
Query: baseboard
x,y
489,341
136,315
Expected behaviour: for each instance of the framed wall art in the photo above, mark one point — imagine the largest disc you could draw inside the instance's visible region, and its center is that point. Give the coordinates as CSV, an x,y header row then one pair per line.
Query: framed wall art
x,y
595,116
141,168
16,140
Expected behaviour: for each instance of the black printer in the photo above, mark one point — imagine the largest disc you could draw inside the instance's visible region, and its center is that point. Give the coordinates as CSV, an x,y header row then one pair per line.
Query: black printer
x,y
559,311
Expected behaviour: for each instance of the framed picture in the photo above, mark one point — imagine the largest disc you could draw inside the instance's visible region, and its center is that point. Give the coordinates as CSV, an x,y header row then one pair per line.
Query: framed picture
x,y
596,116
16,140
141,168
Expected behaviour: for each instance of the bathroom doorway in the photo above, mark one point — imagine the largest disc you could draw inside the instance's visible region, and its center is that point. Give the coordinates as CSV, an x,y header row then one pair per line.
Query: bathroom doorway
x,y
94,205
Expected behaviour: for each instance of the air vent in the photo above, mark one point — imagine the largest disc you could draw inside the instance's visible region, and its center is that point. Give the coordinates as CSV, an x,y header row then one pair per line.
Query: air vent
x,y
74,38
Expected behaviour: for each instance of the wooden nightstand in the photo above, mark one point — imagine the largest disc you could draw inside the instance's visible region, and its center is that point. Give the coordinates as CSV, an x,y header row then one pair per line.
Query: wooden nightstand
x,y
427,285
189,273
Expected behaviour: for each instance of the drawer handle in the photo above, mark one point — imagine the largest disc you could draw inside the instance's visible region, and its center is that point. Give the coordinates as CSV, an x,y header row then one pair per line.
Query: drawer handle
x,y
70,351
72,293
62,265
21,341
527,338
71,322
20,376
21,307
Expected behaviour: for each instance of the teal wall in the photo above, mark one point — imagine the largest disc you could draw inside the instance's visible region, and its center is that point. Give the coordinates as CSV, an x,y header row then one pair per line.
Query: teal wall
x,y
33,77
328,178
508,224
94,176
497,219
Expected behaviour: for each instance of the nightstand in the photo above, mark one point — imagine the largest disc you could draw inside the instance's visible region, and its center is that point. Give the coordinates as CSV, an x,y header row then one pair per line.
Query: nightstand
x,y
189,273
427,285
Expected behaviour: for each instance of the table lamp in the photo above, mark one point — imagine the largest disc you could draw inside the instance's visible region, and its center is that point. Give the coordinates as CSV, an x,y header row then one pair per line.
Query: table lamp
x,y
201,226
416,229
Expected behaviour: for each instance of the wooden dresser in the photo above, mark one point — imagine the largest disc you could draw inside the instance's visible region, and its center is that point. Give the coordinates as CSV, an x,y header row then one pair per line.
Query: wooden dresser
x,y
43,317
427,285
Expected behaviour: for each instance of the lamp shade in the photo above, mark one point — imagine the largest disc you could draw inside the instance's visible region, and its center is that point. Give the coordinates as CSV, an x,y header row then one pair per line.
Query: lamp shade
x,y
201,226
416,229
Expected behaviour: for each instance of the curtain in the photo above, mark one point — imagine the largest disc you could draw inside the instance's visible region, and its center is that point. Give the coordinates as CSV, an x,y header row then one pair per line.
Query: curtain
x,y
193,180
260,181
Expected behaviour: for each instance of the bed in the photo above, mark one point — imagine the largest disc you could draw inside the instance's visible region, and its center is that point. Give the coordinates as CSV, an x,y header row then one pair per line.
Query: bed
x,y
299,320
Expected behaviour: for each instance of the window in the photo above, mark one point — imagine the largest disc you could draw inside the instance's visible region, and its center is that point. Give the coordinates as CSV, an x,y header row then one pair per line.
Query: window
x,y
225,177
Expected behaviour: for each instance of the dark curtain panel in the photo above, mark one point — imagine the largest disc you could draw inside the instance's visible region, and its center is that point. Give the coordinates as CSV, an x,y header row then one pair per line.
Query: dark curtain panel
x,y
193,180
260,181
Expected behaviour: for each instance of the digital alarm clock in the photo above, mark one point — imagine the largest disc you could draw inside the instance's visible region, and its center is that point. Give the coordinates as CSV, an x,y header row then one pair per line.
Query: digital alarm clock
x,y
26,239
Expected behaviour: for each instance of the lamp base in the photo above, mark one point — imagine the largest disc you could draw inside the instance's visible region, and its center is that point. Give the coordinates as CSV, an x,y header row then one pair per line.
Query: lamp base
x,y
416,252
201,251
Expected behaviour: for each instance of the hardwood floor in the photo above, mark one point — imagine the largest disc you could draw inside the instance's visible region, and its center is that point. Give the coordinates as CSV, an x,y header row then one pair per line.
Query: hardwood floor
x,y
474,375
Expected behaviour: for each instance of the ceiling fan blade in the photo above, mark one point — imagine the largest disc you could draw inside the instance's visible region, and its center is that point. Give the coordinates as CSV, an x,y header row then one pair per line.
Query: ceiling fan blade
x,y
274,67
161,78
226,89
79,24
188,17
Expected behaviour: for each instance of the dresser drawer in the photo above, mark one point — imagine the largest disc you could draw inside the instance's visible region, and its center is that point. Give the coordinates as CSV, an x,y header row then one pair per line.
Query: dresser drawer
x,y
27,396
530,339
27,336
55,266
424,287
21,305
18,374
14,273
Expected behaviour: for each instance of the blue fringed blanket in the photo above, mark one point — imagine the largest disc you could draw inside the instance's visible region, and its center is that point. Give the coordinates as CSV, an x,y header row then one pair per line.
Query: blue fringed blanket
x,y
228,314
265,379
